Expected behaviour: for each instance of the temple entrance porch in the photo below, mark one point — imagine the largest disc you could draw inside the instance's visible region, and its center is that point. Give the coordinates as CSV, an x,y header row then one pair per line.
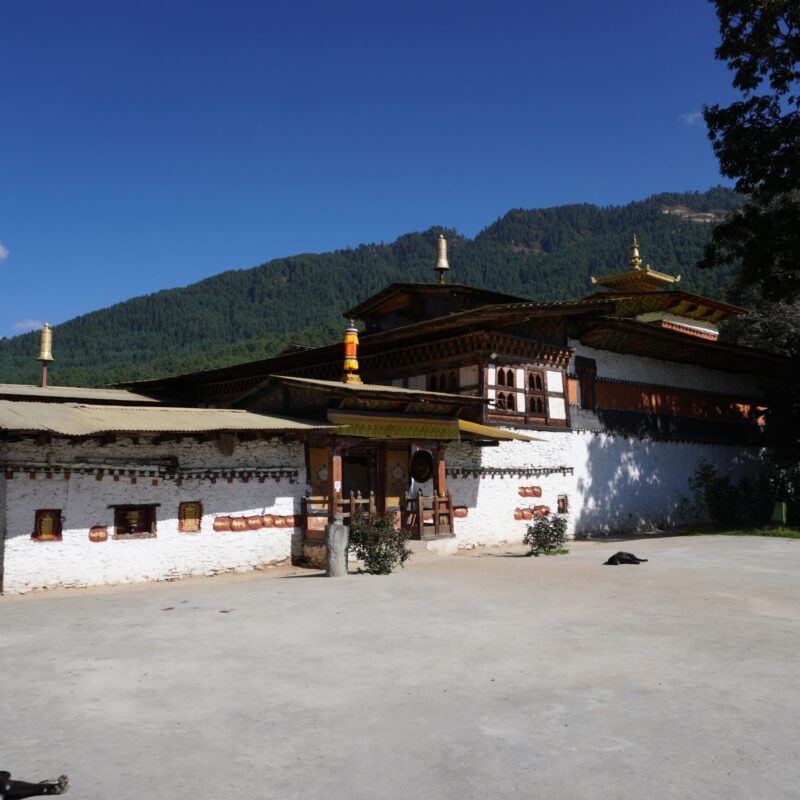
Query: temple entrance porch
x,y
406,478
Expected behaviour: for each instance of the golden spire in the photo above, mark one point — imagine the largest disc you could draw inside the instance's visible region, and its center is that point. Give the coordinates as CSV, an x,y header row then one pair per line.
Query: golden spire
x,y
350,374
635,262
441,264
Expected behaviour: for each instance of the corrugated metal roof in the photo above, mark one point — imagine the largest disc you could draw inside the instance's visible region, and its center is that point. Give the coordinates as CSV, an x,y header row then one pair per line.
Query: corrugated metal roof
x,y
73,393
376,388
72,419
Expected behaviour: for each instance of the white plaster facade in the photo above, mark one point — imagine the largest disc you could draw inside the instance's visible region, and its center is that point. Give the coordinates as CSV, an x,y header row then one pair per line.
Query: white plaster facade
x,y
640,369
86,502
613,484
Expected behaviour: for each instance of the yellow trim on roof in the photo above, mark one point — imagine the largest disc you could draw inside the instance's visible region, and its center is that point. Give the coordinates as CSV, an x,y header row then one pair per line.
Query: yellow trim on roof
x,y
487,432
395,426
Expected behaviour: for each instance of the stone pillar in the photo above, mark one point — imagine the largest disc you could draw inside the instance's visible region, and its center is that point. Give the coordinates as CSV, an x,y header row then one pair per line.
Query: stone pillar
x,y
336,536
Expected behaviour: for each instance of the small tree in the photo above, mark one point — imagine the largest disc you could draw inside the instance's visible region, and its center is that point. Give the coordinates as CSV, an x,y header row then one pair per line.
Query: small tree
x,y
547,534
725,503
377,543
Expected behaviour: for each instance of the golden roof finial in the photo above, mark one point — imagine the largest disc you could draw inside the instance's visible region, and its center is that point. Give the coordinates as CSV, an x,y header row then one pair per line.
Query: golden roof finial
x,y
441,265
635,262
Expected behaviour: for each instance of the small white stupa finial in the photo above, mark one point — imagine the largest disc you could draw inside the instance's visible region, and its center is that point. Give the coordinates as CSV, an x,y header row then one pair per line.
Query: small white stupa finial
x,y
441,264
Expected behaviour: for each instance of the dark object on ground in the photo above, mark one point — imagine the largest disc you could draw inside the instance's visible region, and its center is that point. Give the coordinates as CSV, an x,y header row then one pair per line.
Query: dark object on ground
x,y
624,558
17,790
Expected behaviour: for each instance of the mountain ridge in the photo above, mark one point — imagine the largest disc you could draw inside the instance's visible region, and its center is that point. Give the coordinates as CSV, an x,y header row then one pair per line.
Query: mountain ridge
x,y
250,313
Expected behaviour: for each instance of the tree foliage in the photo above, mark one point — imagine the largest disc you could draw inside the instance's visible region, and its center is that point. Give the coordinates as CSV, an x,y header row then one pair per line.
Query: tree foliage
x,y
757,142
378,544
547,535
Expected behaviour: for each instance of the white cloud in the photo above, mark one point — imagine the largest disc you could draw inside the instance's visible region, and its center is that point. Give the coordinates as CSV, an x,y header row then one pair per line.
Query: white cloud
x,y
692,118
26,325
3,252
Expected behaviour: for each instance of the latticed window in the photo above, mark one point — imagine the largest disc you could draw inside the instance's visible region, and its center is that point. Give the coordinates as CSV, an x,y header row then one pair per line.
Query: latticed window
x,y
443,382
536,405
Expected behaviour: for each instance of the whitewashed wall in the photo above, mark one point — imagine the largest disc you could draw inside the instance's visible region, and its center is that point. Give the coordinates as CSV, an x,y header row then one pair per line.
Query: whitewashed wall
x,y
624,367
617,484
2,511
85,501
491,500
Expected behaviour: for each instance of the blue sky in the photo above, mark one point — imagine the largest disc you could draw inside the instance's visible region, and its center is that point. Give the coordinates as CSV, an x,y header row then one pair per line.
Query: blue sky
x,y
145,145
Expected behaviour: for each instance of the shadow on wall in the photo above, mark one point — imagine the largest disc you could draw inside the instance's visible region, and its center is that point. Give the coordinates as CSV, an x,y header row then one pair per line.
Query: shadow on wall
x,y
630,484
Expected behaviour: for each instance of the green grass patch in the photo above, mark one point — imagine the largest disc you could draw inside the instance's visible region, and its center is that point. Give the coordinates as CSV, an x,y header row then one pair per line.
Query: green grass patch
x,y
537,553
779,531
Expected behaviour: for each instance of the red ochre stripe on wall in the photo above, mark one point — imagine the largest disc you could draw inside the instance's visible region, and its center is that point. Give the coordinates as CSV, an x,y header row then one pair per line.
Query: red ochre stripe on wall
x,y
677,402
572,391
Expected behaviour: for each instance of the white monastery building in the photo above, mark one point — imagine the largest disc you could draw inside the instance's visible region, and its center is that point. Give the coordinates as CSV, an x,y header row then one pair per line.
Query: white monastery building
x,y
464,412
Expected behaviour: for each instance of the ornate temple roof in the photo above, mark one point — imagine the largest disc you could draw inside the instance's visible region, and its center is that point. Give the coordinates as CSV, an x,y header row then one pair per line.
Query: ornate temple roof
x,y
638,278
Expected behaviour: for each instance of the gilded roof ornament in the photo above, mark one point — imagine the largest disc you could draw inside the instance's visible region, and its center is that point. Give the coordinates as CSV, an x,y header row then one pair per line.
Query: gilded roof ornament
x,y
636,261
639,278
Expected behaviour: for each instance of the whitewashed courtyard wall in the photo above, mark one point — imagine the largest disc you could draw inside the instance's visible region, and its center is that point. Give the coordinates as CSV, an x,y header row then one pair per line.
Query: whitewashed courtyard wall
x,y
85,502
612,483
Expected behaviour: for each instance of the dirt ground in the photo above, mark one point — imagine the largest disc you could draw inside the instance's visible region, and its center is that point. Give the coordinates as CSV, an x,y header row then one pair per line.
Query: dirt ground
x,y
483,675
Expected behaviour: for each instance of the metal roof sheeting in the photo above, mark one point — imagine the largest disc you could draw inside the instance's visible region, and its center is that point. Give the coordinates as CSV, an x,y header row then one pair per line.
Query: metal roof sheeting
x,y
72,419
76,393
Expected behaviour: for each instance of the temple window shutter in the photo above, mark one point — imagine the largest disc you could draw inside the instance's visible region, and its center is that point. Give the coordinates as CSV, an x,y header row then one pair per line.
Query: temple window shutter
x,y
47,525
586,370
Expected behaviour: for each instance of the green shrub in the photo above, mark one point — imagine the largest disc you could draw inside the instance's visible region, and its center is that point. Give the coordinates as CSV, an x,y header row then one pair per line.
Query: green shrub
x,y
723,502
547,534
376,542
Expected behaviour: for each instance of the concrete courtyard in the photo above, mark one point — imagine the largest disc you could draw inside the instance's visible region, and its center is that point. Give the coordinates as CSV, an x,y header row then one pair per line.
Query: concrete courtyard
x,y
483,675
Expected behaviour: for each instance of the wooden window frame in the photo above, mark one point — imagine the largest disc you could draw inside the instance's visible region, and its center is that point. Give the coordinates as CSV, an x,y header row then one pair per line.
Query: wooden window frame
x,y
182,522
586,372
533,390
446,381
39,515
150,511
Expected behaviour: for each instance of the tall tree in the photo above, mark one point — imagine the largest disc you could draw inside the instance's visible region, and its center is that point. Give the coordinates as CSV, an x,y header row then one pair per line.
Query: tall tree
x,y
757,142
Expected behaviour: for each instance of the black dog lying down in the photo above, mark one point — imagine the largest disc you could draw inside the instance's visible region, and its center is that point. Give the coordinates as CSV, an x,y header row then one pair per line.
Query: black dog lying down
x,y
17,790
624,558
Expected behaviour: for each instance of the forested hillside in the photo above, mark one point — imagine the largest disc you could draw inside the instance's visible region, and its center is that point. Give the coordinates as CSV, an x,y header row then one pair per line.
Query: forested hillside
x,y
242,315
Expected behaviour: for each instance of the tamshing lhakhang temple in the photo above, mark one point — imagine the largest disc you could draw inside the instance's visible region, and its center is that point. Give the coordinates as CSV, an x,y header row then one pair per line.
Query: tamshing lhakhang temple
x,y
465,412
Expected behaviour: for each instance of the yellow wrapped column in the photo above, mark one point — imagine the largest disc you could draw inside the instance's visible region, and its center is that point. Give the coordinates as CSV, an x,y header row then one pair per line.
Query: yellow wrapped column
x,y
350,374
